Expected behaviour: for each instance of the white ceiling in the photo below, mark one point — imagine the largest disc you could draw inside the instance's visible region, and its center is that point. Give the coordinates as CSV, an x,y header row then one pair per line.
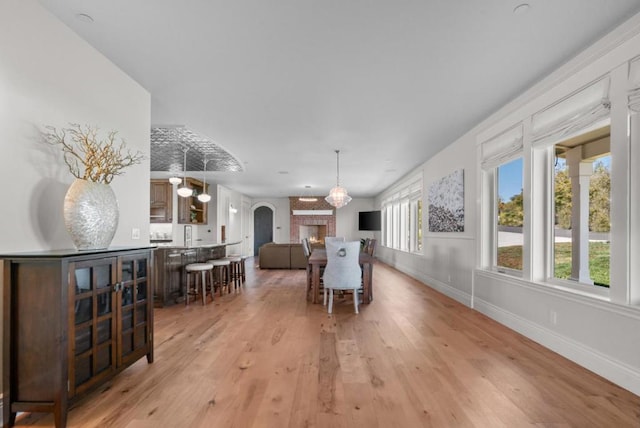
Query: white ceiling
x,y
281,84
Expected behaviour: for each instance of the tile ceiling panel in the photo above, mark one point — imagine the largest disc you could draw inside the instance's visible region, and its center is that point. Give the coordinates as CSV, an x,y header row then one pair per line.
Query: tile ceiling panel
x,y
167,152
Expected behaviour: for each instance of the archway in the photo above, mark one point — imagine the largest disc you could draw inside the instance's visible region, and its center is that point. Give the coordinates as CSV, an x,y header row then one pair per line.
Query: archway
x,y
262,227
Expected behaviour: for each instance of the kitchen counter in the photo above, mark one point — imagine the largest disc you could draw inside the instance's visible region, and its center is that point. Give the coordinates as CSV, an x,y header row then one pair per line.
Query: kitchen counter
x,y
198,245
170,261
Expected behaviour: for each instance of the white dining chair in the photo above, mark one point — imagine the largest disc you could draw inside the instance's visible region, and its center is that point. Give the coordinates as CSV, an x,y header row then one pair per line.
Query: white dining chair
x,y
333,239
343,271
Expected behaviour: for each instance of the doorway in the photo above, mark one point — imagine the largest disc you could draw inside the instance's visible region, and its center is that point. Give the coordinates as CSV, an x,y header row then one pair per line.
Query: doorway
x,y
262,227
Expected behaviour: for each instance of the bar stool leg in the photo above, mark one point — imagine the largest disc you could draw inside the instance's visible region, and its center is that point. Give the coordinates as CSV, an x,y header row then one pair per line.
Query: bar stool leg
x,y
211,281
203,280
186,293
229,272
243,269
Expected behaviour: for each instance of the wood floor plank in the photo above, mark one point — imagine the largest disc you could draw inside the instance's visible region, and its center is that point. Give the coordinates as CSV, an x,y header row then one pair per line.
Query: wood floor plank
x,y
266,357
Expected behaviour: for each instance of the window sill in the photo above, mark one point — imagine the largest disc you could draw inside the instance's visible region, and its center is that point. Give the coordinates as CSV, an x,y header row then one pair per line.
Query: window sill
x,y
552,286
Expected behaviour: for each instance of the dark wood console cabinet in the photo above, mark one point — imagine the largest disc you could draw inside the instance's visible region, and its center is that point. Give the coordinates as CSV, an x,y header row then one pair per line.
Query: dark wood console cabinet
x,y
71,321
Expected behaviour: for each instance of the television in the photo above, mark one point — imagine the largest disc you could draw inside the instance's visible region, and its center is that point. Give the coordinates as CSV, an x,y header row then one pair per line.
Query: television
x,y
369,220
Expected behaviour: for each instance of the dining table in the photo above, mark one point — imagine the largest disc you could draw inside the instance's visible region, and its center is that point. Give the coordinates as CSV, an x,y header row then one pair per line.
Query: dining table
x,y
318,260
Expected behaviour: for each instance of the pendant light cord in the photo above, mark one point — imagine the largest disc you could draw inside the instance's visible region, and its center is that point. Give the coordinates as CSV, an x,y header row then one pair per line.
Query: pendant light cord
x,y
184,167
338,168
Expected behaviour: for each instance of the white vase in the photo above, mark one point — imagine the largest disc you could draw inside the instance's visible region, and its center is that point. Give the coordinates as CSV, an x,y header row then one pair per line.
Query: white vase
x,y
90,214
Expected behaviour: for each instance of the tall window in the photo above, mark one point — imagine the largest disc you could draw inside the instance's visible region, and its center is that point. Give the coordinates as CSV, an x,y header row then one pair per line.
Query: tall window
x,y
402,226
582,195
387,232
576,131
510,215
502,164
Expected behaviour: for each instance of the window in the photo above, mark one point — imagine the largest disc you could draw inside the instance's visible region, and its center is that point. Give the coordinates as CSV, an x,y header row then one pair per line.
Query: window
x,y
510,215
402,210
502,165
574,196
415,221
575,132
581,221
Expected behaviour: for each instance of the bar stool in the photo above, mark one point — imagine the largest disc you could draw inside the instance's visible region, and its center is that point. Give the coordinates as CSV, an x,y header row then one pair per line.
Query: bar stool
x,y
235,269
221,274
193,269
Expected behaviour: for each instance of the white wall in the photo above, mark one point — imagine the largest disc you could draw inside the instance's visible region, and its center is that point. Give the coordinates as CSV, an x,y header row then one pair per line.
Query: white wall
x,y
347,219
281,217
232,221
599,335
49,76
448,259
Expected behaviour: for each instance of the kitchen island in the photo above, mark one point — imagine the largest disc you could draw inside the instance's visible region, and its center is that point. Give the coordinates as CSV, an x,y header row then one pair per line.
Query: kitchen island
x,y
170,261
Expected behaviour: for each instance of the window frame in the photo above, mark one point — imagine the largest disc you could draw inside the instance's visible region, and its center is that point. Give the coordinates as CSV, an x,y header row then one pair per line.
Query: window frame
x,y
401,209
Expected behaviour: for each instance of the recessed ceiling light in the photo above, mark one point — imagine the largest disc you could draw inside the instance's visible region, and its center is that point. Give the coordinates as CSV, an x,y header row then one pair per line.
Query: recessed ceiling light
x,y
83,17
521,9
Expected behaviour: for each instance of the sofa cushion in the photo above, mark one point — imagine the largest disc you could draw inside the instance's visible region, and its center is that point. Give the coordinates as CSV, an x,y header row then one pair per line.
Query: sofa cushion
x,y
298,260
274,256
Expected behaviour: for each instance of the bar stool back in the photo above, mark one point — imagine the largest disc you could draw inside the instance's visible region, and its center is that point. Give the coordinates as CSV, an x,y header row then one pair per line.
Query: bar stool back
x,y
205,270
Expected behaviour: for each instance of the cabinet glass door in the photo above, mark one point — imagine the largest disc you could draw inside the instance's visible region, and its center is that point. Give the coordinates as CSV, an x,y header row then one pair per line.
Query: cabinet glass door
x,y
134,305
92,319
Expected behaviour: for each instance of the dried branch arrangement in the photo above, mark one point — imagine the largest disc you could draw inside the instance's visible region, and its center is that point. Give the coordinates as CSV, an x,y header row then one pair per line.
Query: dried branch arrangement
x,y
89,158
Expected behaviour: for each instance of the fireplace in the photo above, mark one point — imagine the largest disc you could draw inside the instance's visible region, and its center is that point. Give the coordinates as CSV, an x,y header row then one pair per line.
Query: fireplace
x,y
314,233
313,223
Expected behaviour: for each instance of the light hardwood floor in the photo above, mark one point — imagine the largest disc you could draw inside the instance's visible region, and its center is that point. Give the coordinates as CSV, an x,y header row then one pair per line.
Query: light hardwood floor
x,y
267,358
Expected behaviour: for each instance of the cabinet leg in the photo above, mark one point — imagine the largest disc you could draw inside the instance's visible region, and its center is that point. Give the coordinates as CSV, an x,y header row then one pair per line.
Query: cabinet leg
x,y
60,416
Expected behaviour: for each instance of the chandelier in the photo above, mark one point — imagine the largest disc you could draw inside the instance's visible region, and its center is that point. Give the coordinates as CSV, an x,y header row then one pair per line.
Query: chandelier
x,y
306,196
338,196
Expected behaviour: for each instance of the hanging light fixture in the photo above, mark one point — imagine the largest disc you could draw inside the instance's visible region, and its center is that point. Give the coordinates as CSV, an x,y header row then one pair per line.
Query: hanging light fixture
x,y
175,179
204,196
306,196
338,196
184,190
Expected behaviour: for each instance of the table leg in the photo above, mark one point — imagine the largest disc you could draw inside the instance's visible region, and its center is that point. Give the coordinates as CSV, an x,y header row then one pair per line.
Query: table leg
x,y
366,282
315,282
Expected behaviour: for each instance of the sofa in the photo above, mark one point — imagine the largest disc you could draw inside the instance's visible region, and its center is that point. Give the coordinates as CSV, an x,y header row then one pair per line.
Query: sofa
x,y
281,256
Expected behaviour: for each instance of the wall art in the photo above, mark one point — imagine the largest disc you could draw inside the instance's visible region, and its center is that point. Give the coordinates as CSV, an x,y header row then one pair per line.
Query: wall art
x,y
446,203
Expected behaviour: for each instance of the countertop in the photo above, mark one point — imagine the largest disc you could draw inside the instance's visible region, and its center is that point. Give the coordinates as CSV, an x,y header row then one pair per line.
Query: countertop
x,y
172,246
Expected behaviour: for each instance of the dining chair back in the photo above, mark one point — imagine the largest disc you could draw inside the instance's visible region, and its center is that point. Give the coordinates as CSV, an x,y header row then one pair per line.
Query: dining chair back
x,y
306,247
370,247
343,270
333,239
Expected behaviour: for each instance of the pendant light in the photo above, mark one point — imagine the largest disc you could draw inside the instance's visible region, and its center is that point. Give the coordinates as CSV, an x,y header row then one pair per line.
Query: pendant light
x,y
184,190
338,196
306,196
204,196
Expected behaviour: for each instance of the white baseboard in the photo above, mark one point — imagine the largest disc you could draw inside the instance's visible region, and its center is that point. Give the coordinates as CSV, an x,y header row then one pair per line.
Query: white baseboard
x,y
603,365
437,285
